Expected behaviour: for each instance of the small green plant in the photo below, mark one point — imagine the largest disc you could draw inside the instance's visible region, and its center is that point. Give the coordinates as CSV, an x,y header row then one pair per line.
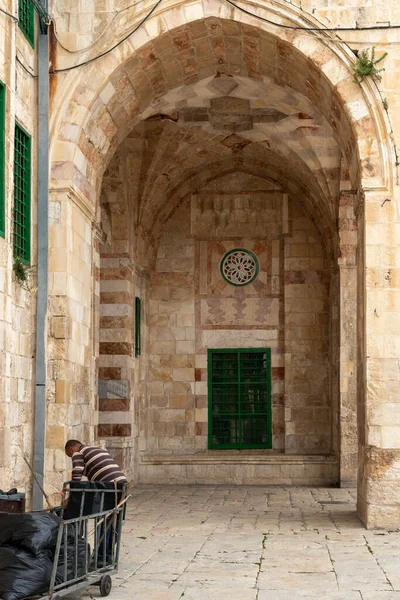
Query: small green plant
x,y
22,273
385,104
365,66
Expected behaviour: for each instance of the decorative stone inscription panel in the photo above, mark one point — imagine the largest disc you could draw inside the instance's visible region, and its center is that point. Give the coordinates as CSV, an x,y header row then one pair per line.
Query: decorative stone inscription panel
x,y
255,214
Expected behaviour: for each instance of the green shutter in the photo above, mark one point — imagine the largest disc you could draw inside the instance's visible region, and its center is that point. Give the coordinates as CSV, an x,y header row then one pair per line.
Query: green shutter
x,y
26,20
137,326
22,194
239,398
2,159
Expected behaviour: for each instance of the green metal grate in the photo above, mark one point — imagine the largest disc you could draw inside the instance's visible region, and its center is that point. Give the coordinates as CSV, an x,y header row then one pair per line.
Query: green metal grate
x,y
26,20
22,194
239,391
137,326
2,159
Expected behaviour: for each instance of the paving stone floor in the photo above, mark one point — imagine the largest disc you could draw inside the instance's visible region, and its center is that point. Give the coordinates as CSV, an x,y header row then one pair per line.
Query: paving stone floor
x,y
252,543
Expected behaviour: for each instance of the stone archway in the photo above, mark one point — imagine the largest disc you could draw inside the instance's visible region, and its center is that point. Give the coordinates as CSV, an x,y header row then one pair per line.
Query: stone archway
x,y
150,80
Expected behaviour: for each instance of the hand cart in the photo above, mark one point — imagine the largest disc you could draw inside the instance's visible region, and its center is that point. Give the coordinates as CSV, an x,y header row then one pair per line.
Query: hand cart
x,y
88,545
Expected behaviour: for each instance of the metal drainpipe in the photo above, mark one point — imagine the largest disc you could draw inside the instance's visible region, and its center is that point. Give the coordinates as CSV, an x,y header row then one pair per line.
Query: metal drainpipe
x,y
39,443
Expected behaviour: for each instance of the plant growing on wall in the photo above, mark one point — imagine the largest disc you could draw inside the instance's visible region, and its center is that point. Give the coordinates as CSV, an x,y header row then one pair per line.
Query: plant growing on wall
x,y
365,66
22,273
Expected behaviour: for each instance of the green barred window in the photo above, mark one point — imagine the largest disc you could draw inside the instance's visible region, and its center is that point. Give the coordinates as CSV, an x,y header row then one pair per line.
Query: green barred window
x,y
2,159
26,20
22,194
137,326
239,398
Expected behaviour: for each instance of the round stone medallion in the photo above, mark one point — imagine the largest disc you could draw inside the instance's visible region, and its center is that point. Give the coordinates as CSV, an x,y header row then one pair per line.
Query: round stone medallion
x,y
239,267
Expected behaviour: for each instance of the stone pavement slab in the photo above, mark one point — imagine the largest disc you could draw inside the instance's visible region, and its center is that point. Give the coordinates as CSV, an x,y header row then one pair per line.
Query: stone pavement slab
x,y
252,543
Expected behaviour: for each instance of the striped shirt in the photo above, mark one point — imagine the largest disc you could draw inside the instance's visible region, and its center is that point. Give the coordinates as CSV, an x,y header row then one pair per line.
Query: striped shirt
x,y
96,464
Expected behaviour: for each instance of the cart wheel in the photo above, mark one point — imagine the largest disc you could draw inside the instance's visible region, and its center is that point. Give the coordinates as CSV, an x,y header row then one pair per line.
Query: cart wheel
x,y
105,585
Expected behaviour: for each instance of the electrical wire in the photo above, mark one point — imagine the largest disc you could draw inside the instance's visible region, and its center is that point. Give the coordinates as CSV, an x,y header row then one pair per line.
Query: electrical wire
x,y
87,62
314,30
77,50
338,40
13,17
19,61
42,12
392,136
299,28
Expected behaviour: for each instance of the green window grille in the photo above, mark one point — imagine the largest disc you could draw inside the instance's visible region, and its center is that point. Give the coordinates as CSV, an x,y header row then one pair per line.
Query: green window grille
x,y
2,159
22,194
239,398
137,326
26,20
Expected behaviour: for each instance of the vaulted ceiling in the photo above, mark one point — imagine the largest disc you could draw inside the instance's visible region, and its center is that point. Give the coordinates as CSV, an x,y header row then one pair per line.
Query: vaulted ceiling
x,y
225,123
211,79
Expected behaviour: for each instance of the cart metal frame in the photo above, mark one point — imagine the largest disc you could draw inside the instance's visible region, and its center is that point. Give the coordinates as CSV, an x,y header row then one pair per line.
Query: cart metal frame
x,y
107,527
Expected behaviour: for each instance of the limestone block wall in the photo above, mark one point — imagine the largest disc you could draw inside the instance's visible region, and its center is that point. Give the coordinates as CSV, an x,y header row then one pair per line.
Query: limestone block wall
x,y
71,366
116,310
308,398
249,213
173,410
379,374
122,372
191,308
17,306
79,25
365,138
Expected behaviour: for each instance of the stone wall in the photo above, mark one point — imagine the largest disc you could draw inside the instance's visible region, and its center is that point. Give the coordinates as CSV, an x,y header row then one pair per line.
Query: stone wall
x,y
95,107
308,399
71,364
191,308
17,306
172,407
250,213
122,373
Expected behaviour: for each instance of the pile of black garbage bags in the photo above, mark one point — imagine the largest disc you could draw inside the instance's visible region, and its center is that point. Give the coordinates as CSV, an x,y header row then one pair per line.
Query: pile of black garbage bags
x,y
27,548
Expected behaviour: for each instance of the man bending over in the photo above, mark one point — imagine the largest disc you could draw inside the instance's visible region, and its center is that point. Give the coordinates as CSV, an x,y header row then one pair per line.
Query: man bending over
x,y
97,465
92,462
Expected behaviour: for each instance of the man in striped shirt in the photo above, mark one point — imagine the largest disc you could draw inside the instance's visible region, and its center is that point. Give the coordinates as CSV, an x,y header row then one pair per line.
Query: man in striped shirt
x,y
92,462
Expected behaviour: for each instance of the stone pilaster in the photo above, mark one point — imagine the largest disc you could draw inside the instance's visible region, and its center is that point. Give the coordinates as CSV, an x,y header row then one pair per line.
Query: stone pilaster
x,y
379,379
348,238
71,392
116,346
122,375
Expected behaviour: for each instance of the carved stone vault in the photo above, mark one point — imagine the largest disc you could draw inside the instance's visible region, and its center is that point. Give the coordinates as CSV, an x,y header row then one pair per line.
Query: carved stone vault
x,y
215,135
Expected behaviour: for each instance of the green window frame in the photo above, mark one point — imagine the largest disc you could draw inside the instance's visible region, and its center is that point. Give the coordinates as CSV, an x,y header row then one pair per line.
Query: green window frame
x,y
22,194
239,398
137,326
26,20
2,159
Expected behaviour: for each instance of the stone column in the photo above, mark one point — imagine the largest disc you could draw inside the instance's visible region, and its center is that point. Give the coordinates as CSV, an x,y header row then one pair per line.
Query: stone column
x,y
116,346
116,360
379,371
348,374
70,361
348,238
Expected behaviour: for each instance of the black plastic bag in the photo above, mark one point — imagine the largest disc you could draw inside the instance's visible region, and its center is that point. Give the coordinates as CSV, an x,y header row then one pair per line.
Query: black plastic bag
x,y
22,573
83,556
34,531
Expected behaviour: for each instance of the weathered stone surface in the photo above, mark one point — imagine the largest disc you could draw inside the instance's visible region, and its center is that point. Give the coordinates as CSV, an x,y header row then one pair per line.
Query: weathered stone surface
x,y
253,543
197,96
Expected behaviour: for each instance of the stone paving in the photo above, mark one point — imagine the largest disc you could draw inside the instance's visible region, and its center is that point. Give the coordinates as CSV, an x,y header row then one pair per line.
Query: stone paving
x,y
252,543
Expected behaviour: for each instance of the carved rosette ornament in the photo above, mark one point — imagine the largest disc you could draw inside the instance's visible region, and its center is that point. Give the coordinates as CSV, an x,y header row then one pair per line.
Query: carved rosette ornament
x,y
239,267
